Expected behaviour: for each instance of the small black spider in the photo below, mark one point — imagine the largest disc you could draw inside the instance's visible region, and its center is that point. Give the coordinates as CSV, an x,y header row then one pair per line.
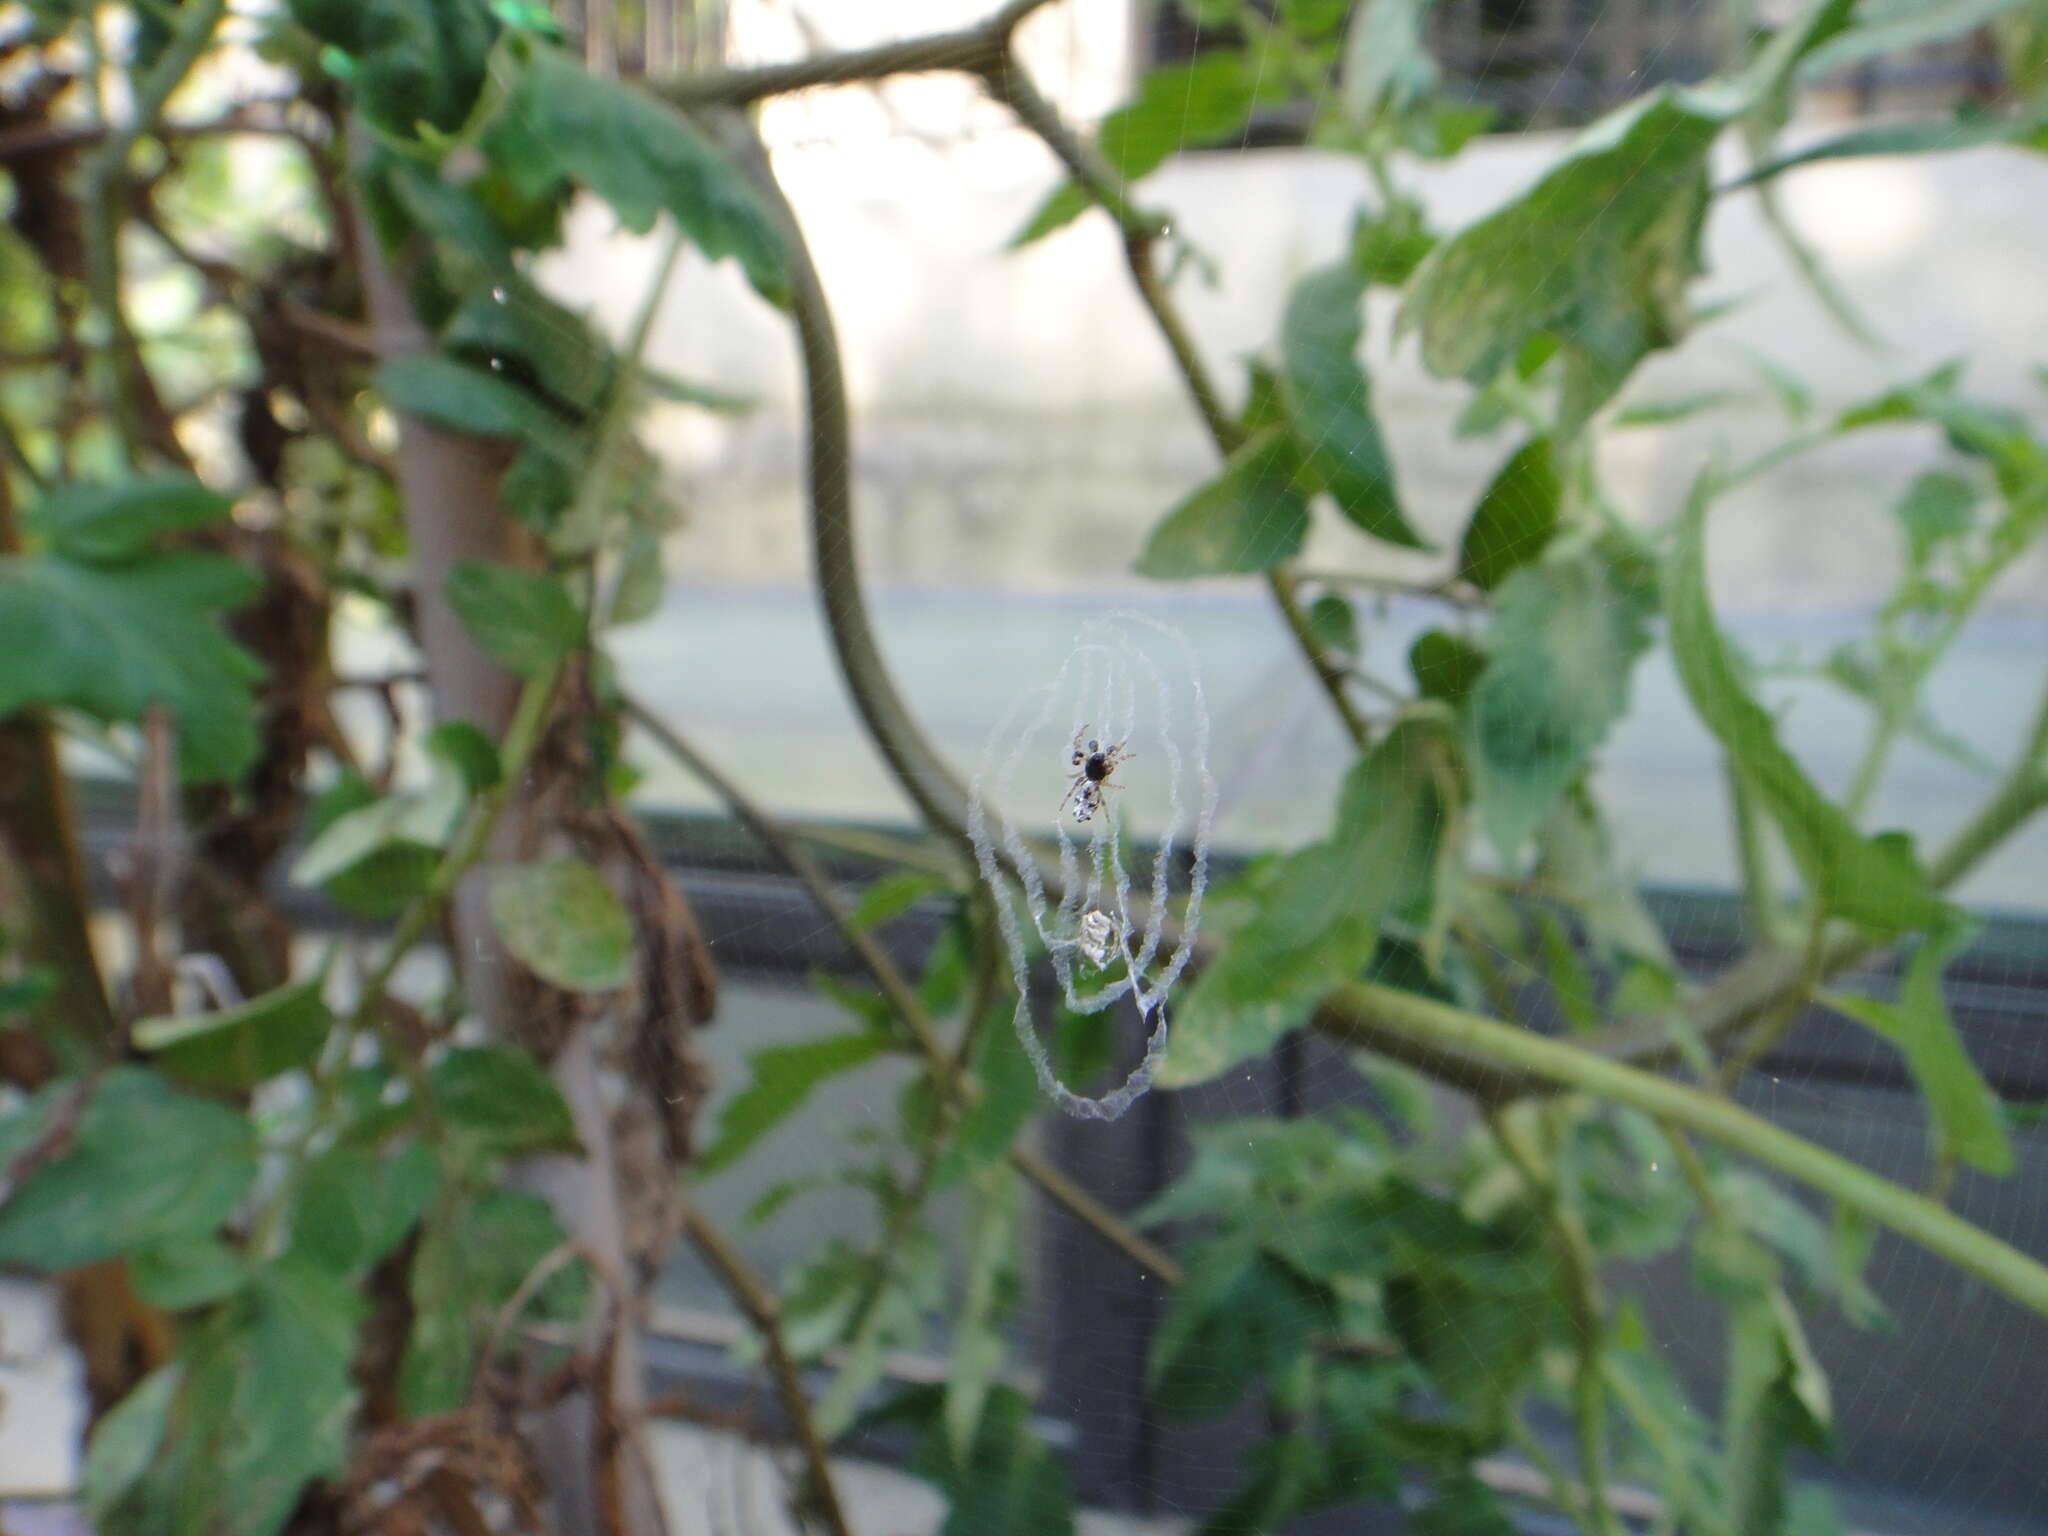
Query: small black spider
x,y
1095,763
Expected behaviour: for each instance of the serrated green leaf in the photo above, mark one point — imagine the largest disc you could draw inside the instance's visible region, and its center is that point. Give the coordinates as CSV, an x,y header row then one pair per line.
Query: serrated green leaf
x,y
1238,1315
1330,402
146,1165
1566,635
110,641
782,1078
239,1047
1962,1108
1316,917
642,158
1874,881
562,921
1251,516
1515,517
99,522
1598,254
499,1095
526,621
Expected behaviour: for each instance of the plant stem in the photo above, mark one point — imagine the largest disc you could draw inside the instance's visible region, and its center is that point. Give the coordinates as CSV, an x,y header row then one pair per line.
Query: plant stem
x,y
900,995
918,767
1919,1220
1010,83
106,179
757,1299
968,50
1578,1276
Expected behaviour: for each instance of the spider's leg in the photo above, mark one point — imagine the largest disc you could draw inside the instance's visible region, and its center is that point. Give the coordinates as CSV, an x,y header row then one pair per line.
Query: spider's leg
x,y
1078,781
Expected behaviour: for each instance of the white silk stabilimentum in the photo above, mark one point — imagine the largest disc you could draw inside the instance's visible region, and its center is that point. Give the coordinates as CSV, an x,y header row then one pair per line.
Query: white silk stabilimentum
x,y
1130,681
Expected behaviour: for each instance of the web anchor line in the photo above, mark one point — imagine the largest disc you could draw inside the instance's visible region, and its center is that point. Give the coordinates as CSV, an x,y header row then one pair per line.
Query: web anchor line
x,y
1123,704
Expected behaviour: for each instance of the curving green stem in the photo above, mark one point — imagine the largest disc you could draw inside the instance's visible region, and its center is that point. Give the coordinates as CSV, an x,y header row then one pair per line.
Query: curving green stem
x,y
1913,1217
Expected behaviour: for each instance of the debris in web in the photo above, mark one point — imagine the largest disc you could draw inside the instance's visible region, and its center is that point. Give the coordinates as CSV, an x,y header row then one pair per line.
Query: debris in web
x,y
1129,694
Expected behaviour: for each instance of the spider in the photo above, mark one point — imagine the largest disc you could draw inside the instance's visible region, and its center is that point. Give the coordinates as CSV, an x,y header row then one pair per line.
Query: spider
x,y
1094,764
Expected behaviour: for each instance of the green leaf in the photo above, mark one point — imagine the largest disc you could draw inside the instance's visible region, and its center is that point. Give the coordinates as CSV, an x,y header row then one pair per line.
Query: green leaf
x,y
1575,856
111,641
453,394
1009,1484
239,1047
1939,136
1659,413
382,876
1566,636
782,1078
354,1206
979,1345
1239,1314
893,895
1461,1505
1445,666
525,621
1333,624
548,346
1196,103
1286,1480
474,1254
1473,1318
1960,1104
125,1442
1597,254
1893,26
1776,1399
562,921
186,1273
1937,508
1387,247
1515,517
1330,402
97,522
1009,1098
1316,917
1874,881
145,1165
642,158
24,994
499,1095
1252,516
396,836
